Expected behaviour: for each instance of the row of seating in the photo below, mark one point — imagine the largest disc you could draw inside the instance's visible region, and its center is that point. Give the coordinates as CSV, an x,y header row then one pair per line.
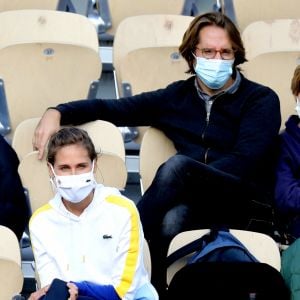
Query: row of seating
x,y
243,12
46,57
12,279
113,12
38,70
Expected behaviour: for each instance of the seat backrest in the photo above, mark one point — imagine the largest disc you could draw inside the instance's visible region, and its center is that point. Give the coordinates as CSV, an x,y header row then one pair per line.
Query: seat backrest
x,y
110,169
156,148
46,57
150,31
28,4
119,9
147,258
104,135
11,276
245,12
9,245
273,51
160,65
262,246
146,46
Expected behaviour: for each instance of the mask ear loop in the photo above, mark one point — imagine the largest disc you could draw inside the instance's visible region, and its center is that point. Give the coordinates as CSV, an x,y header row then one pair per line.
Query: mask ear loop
x,y
93,166
92,172
52,178
52,169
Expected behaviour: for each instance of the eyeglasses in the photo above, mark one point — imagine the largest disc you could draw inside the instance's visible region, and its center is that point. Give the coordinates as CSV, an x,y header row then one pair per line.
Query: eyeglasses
x,y
210,53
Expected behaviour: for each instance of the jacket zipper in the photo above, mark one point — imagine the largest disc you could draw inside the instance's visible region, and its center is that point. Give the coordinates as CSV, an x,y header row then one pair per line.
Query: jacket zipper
x,y
207,122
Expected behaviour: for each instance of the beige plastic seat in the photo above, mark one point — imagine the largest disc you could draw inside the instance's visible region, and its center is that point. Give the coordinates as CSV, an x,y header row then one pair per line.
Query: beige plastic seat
x,y
149,31
11,276
273,51
46,57
110,169
119,9
145,54
160,66
246,12
147,258
98,130
262,246
156,148
28,4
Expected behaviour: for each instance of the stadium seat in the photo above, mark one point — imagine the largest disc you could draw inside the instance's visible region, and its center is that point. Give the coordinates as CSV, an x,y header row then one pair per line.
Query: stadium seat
x,y
46,57
145,46
23,145
11,277
263,247
114,11
244,12
148,31
110,170
273,51
156,148
28,4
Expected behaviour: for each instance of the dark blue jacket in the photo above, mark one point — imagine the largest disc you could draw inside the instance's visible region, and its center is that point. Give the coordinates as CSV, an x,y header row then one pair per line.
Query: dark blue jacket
x,y
287,191
14,212
237,139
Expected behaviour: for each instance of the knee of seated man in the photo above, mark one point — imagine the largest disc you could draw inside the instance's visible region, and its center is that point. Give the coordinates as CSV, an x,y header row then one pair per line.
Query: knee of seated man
x,y
176,164
175,221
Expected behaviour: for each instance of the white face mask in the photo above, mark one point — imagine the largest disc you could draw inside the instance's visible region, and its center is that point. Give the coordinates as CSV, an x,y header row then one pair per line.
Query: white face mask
x,y
297,108
74,188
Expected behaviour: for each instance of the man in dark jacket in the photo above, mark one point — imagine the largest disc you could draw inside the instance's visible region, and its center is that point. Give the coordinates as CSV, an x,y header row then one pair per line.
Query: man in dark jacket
x,y
223,127
14,211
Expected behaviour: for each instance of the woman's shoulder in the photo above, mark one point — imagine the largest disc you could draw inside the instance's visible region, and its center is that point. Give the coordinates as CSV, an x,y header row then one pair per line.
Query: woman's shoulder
x,y
40,215
113,196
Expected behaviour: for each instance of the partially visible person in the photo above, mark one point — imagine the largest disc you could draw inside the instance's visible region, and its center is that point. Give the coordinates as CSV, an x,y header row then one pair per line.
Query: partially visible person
x,y
14,210
88,235
287,191
223,126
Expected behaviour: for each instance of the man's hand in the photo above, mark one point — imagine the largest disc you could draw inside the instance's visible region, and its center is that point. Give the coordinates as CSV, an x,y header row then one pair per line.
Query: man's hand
x,y
47,126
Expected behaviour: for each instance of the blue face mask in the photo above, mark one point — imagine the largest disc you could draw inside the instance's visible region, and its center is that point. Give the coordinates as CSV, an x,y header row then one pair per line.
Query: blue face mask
x,y
214,73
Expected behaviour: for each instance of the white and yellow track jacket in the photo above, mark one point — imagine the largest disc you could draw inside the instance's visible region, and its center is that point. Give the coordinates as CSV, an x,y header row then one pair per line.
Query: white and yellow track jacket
x,y
103,245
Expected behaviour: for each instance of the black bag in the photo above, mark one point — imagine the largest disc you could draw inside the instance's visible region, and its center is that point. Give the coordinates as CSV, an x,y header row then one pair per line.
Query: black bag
x,y
227,280
223,268
58,290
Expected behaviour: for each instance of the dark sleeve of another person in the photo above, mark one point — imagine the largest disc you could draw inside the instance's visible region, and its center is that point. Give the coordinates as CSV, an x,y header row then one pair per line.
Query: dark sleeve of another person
x,y
14,211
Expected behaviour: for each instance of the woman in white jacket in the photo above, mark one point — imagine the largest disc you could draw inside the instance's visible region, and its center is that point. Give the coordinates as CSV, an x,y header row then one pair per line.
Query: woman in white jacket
x,y
88,235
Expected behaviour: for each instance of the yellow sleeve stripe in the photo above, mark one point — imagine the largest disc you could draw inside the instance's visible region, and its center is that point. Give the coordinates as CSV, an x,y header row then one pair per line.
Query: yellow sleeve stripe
x,y
133,251
39,210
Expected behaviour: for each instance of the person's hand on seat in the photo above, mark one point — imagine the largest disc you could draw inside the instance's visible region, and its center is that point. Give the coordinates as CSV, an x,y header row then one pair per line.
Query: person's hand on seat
x,y
47,126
